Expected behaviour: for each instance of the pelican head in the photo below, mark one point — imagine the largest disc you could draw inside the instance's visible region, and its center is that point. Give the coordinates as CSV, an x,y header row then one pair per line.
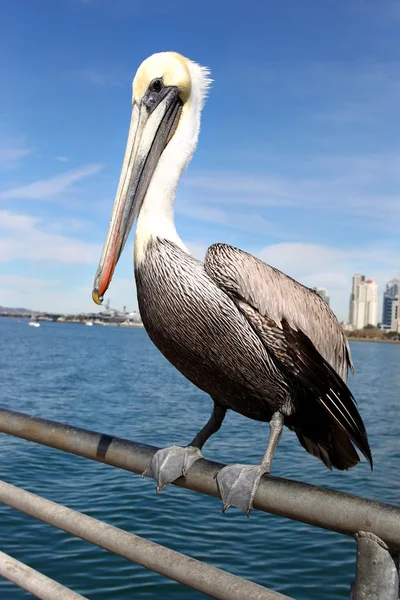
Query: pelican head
x,y
168,93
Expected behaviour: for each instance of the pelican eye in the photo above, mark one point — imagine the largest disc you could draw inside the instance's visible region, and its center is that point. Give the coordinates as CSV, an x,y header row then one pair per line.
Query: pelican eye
x,y
156,85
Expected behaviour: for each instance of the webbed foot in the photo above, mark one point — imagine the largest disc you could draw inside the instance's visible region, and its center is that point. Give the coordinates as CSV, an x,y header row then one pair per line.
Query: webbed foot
x,y
238,485
171,463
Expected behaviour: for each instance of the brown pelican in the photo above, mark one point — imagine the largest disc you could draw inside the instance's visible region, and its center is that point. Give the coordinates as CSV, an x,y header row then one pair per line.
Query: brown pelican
x,y
257,341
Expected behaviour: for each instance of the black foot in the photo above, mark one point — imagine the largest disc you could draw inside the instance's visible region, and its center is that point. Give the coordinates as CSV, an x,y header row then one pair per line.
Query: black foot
x,y
171,463
238,485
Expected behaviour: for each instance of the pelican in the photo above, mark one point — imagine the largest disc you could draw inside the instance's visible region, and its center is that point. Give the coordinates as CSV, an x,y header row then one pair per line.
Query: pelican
x,y
257,341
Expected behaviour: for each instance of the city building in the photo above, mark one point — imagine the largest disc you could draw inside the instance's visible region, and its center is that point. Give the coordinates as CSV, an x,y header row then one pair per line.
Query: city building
x,y
363,302
390,312
323,293
396,317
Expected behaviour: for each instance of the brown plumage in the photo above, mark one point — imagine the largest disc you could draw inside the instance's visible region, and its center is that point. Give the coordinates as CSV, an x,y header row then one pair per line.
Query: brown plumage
x,y
208,322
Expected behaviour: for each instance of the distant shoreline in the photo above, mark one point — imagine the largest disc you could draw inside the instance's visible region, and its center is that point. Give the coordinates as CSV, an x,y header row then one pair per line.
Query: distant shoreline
x,y
98,321
356,339
117,322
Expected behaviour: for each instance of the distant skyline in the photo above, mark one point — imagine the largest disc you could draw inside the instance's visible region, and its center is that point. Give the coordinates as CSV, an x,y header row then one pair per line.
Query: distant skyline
x,y
299,152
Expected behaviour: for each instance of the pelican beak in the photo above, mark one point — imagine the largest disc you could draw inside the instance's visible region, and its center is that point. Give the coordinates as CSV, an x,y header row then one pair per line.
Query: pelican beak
x,y
153,123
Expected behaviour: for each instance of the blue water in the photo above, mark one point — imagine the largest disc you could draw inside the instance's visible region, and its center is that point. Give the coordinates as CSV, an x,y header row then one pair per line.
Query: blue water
x,y
113,380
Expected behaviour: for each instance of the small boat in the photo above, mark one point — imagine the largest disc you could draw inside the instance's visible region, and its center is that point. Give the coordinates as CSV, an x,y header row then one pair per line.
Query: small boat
x,y
34,324
89,323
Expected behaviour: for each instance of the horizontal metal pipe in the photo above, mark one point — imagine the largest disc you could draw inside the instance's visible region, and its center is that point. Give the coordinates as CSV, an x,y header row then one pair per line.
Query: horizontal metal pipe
x,y
207,579
321,507
34,582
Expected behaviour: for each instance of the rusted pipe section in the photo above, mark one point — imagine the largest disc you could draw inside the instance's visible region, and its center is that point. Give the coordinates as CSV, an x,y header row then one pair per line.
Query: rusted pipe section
x,y
193,573
32,581
321,507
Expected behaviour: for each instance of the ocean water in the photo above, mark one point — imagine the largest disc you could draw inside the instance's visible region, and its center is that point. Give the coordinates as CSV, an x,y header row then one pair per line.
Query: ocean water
x,y
113,380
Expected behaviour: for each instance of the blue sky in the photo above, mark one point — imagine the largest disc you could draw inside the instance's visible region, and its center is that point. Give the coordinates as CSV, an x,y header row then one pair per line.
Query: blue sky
x,y
299,152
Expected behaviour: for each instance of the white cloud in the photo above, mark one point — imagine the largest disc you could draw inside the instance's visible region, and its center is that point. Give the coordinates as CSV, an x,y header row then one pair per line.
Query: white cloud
x,y
62,158
69,225
11,153
333,268
252,223
27,239
301,258
261,190
361,169
198,250
42,298
48,188
23,238
350,185
26,283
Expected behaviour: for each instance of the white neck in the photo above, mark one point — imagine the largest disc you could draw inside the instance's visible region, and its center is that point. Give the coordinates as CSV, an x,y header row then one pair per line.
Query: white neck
x,y
156,217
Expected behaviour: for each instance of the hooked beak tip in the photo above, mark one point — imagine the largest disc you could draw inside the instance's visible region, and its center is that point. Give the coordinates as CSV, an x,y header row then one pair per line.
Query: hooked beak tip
x,y
96,297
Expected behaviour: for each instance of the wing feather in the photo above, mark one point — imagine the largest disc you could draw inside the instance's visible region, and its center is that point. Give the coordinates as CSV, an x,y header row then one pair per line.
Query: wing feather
x,y
281,298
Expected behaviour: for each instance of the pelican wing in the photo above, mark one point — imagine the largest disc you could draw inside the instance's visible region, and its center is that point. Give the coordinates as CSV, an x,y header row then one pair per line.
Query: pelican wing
x,y
298,329
279,297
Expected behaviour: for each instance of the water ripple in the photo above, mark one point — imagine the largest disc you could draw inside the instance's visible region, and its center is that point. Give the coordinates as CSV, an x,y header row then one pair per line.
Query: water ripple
x,y
128,389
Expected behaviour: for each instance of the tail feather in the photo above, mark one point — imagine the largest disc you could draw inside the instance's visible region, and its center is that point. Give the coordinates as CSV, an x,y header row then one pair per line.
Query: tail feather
x,y
339,404
321,381
334,448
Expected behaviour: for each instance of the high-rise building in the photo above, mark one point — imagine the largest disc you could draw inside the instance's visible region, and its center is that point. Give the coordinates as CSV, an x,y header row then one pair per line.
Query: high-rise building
x,y
353,312
396,316
363,302
357,280
323,293
390,312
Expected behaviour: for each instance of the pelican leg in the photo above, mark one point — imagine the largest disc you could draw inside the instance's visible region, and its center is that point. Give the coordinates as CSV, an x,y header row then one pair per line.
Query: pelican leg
x,y
171,463
238,483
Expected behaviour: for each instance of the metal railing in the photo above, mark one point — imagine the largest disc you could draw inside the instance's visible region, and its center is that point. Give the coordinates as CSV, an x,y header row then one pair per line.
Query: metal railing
x,y
374,525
